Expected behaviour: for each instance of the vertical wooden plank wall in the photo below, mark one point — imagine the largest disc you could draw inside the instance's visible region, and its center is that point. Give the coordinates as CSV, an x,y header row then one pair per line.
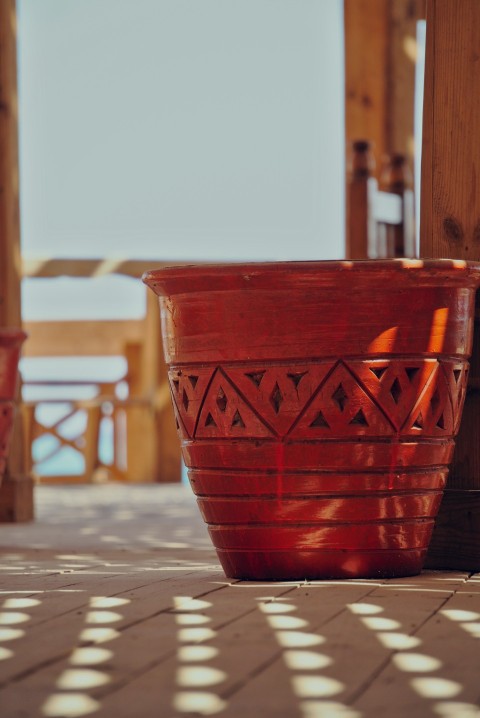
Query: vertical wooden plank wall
x,y
16,490
450,227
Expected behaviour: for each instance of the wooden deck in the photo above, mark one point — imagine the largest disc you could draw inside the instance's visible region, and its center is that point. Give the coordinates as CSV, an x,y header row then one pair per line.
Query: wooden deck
x,y
113,605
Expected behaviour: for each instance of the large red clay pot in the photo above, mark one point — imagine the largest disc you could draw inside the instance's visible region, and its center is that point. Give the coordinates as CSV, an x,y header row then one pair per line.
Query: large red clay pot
x,y
10,345
317,404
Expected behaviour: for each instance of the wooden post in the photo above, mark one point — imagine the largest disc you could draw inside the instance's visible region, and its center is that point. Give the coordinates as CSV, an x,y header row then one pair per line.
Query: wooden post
x,y
361,188
450,227
366,72
380,47
16,490
396,178
167,445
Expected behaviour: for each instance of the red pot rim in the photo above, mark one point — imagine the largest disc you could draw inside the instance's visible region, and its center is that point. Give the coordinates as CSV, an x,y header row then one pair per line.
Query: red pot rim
x,y
286,275
10,337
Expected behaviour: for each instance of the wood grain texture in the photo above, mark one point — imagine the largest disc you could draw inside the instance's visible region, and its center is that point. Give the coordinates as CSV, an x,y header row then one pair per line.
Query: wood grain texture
x,y
10,313
10,264
367,36
146,625
450,215
380,49
450,227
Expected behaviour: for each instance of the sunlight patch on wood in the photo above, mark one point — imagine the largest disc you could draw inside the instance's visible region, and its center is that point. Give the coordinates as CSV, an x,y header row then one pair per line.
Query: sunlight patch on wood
x,y
69,705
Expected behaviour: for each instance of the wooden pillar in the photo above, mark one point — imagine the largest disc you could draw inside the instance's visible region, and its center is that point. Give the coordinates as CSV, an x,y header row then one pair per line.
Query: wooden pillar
x,y
166,443
450,227
360,194
153,447
380,52
16,490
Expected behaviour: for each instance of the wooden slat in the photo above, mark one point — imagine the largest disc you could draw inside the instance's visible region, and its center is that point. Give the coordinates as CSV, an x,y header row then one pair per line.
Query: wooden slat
x,y
92,267
81,338
450,227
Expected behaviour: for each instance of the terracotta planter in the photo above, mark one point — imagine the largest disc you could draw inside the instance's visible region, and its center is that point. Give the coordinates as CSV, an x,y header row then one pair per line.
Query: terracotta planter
x,y
10,344
317,404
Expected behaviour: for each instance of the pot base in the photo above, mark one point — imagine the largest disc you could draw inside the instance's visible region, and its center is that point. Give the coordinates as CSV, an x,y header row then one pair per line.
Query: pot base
x,y
314,565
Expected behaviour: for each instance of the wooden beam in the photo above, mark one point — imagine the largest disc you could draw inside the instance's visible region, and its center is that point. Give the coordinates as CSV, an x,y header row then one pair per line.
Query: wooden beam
x,y
35,267
450,227
16,490
82,338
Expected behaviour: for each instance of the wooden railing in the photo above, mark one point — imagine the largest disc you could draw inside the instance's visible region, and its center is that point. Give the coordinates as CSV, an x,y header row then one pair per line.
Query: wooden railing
x,y
145,446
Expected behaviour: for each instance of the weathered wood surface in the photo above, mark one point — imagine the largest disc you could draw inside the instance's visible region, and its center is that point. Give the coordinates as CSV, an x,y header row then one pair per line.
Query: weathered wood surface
x,y
16,492
450,227
380,52
113,604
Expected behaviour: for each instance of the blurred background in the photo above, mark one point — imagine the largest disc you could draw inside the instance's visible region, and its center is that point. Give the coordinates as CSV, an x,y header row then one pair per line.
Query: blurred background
x,y
162,131
169,130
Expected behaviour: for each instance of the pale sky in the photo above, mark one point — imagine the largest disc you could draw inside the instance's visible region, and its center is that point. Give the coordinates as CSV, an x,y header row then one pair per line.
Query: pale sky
x,y
181,129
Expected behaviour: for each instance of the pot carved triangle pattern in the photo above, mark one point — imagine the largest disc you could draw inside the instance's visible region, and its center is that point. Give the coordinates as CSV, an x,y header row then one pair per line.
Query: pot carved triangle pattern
x,y
433,412
279,393
394,384
370,397
188,388
342,408
225,413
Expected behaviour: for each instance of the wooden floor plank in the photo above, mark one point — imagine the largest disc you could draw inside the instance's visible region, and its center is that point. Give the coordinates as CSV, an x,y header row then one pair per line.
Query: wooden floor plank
x,y
440,674
173,637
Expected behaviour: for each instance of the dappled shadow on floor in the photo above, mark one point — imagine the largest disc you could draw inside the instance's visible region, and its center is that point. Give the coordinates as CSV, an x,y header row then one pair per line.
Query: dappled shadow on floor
x,y
148,625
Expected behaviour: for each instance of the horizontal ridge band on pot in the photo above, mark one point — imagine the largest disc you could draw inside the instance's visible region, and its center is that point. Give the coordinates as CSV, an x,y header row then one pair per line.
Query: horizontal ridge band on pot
x,y
330,510
226,482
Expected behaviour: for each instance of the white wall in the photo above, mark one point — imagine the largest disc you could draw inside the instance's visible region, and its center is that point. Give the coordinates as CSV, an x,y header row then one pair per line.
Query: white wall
x,y
182,129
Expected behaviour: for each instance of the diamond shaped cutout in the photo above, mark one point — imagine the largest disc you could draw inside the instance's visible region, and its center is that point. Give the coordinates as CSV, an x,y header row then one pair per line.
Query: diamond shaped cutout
x,y
339,397
396,391
276,398
435,401
222,400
